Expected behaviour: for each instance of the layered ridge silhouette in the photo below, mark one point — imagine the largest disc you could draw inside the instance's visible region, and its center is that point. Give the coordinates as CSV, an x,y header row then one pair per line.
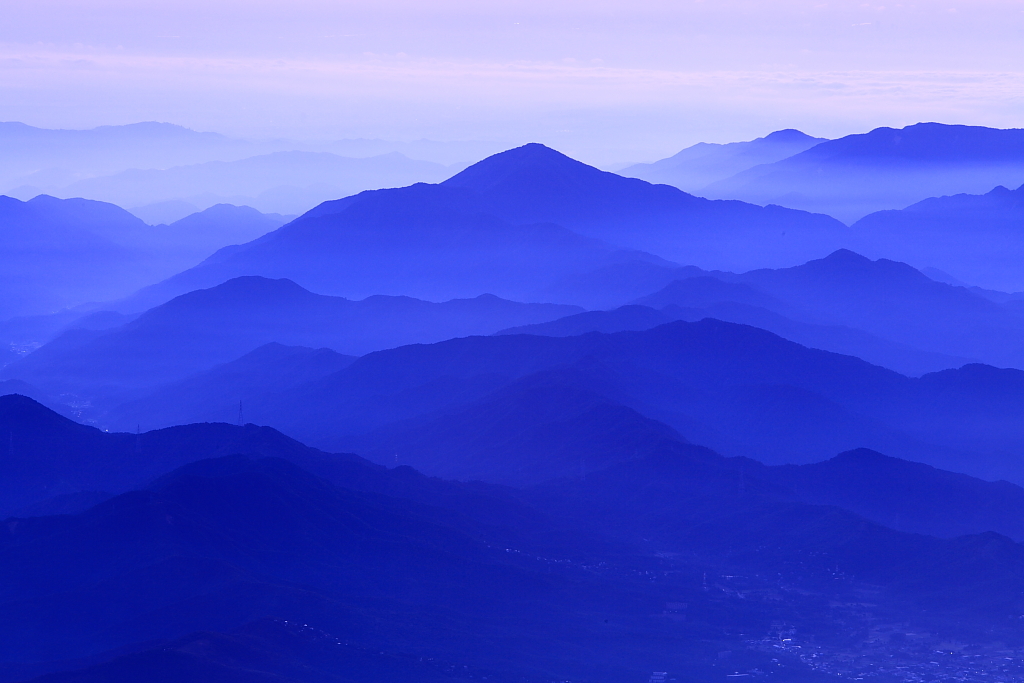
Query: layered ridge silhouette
x,y
400,573
738,389
62,253
976,238
696,167
196,331
886,168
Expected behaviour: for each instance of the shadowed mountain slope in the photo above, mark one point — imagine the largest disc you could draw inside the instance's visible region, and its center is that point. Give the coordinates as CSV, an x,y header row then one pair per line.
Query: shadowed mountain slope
x,y
554,424
50,459
270,651
906,495
46,455
218,544
884,169
396,572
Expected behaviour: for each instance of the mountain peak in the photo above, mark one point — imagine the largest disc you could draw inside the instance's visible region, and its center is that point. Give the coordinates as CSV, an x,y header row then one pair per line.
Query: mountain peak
x,y
863,456
788,135
233,293
846,257
533,158
259,284
23,413
845,263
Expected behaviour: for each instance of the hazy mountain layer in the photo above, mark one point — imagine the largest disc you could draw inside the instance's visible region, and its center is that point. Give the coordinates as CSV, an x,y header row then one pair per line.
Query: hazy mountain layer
x,y
43,159
838,339
222,392
696,167
887,309
59,253
884,169
740,390
883,311
288,182
196,331
975,238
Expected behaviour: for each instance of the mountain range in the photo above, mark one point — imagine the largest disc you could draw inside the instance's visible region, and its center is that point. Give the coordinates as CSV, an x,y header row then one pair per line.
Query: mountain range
x,y
700,165
882,311
40,157
737,389
887,299
288,182
62,253
199,330
161,368
836,338
886,168
974,238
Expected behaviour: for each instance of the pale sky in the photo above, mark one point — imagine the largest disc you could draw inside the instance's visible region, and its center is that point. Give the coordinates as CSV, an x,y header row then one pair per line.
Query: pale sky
x,y
604,80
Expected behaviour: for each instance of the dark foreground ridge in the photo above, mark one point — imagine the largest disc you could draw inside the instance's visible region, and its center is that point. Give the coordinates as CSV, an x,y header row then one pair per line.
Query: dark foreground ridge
x,y
308,565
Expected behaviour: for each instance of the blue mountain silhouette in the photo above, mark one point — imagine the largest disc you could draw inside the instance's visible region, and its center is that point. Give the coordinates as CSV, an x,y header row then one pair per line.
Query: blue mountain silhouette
x,y
886,168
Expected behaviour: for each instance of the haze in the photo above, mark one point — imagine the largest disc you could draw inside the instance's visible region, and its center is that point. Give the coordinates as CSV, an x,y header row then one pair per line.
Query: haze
x,y
606,82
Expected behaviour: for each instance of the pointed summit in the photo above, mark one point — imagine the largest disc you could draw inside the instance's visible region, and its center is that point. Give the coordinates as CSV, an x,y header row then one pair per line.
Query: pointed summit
x,y
841,257
508,166
844,265
791,135
535,183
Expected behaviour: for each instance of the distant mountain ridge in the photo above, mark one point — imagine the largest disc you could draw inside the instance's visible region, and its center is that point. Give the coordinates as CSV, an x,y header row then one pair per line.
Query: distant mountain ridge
x,y
696,167
883,311
886,168
62,253
886,299
836,338
196,331
59,253
975,238
55,158
288,182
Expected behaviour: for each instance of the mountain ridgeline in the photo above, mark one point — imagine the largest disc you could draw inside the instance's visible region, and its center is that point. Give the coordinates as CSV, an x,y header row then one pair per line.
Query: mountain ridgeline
x,y
885,168
199,330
